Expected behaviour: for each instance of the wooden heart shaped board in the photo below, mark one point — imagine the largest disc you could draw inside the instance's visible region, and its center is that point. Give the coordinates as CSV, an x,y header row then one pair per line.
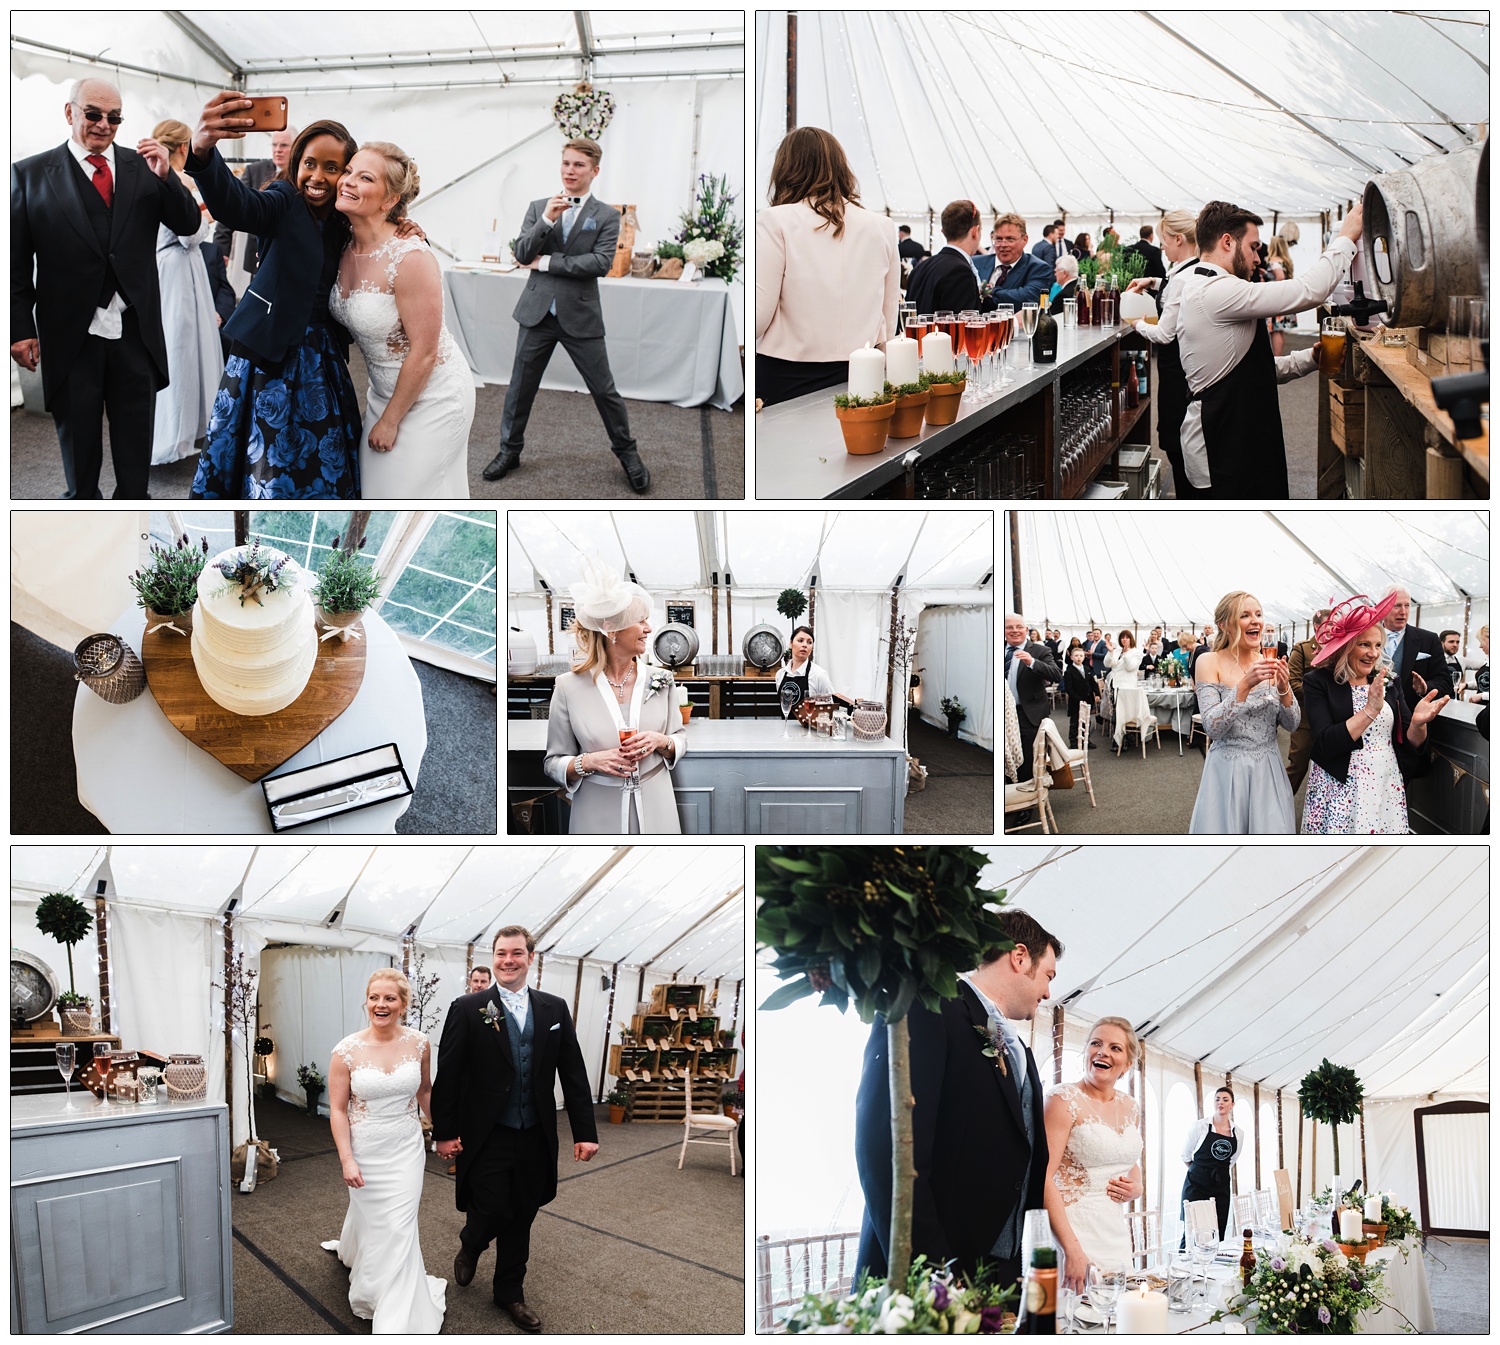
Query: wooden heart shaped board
x,y
252,746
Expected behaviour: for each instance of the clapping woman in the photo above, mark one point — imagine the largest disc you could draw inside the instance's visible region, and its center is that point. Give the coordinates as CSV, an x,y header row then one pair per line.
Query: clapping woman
x,y
1362,744
613,731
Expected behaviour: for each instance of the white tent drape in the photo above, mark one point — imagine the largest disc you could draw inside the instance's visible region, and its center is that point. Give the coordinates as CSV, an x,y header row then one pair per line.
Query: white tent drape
x,y
948,640
67,582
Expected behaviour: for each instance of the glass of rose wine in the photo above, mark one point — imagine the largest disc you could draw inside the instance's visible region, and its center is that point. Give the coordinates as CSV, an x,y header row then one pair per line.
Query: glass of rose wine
x,y
1006,314
633,780
918,327
976,345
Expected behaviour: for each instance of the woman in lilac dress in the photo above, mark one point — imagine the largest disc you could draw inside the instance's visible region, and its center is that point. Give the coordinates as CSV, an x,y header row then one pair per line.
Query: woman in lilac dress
x,y
1243,698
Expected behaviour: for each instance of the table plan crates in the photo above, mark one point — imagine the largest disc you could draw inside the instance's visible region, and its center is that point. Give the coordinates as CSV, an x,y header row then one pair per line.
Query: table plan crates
x,y
1346,417
674,1037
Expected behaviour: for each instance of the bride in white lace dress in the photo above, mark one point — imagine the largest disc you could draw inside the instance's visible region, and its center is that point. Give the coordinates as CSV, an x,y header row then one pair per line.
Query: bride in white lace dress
x,y
389,294
1094,1154
378,1080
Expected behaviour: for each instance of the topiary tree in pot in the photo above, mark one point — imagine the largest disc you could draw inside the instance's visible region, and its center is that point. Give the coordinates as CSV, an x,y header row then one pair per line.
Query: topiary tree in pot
x,y
64,918
880,927
1331,1093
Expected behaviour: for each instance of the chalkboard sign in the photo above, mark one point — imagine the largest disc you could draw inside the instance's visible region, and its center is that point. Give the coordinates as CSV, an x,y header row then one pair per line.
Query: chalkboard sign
x,y
565,618
681,613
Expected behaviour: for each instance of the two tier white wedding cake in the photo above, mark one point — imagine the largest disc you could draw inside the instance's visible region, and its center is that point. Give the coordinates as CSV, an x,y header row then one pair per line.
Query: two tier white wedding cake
x,y
254,637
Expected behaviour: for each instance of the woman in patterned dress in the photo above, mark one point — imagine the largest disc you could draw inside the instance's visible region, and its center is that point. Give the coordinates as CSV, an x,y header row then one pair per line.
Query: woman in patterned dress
x,y
1094,1154
1363,745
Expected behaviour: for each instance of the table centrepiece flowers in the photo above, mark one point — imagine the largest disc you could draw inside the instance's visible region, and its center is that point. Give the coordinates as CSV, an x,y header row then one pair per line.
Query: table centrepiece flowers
x,y
934,1304
712,221
1304,1286
166,586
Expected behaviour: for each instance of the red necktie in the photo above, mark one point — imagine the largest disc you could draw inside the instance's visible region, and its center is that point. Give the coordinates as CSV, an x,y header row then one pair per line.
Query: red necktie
x,y
1004,271
103,182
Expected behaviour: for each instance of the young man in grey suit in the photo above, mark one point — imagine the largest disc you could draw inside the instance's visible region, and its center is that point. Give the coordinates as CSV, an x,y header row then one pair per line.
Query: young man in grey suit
x,y
567,242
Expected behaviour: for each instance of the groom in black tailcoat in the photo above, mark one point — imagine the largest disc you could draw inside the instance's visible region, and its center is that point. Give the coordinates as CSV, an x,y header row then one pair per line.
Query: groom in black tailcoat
x,y
503,1050
980,1143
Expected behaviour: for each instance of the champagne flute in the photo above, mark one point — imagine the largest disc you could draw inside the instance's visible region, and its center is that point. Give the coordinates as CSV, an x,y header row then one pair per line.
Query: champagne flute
x,y
975,344
67,1061
1030,315
633,780
1006,313
103,1062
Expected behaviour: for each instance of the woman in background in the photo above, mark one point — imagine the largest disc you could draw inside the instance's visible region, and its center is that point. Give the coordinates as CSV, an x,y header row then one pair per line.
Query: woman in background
x,y
797,667
1209,1151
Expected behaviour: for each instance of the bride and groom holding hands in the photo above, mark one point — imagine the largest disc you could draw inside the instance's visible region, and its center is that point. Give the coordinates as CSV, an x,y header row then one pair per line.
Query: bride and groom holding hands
x,y
503,1050
990,1142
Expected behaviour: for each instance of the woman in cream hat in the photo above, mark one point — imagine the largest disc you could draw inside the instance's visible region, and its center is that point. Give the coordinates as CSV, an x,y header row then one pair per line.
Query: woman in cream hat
x,y
613,732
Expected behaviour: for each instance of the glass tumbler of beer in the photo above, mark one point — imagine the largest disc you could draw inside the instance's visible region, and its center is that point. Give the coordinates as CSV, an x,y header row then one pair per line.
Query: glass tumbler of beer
x,y
1331,342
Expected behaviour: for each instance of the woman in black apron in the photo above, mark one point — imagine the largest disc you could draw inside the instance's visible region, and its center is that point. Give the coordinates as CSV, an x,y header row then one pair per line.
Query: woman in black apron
x,y
799,677
1210,1151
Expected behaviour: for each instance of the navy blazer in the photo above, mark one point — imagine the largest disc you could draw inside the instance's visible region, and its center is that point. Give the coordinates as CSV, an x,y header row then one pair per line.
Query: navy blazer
x,y
278,304
1029,279
1330,705
943,282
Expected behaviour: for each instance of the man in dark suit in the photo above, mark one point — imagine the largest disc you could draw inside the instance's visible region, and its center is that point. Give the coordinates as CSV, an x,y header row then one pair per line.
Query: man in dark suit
x,y
1014,276
908,248
1028,669
503,1051
1097,648
85,301
225,298
1147,249
1416,654
947,281
567,242
1047,249
980,1146
256,174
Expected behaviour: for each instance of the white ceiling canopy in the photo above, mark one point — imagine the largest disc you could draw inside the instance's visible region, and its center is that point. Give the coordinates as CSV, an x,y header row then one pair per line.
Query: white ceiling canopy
x,y
1052,112
673,909
1262,961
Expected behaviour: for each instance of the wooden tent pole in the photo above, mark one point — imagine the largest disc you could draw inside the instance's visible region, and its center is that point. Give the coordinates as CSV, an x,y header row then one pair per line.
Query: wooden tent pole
x,y
716,619
229,1014
1234,1168
1257,1136
468,964
1315,1156
1145,1149
99,932
1364,1162
1299,1151
1280,1134
577,990
550,649
1057,1043
791,71
890,662
1198,1083
609,1027
729,614
1015,563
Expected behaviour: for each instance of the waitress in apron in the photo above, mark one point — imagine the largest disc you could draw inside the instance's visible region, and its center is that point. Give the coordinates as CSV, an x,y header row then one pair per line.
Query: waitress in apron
x,y
799,671
1180,247
1209,1152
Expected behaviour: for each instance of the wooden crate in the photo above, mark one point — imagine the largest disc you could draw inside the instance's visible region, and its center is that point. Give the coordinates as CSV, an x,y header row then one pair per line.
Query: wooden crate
x,y
659,1103
683,998
637,1058
1346,417
658,1027
752,671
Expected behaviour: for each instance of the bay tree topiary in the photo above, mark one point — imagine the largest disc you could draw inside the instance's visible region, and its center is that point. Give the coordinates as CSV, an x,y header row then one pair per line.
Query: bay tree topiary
x,y
66,919
1331,1093
880,927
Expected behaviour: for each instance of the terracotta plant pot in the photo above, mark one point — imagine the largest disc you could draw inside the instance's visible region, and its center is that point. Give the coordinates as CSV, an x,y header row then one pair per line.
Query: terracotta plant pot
x,y
865,427
183,621
942,403
907,422
686,711
1375,1233
616,1114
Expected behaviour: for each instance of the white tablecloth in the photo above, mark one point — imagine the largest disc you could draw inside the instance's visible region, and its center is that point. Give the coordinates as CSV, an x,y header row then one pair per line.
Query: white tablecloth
x,y
1171,707
138,775
667,342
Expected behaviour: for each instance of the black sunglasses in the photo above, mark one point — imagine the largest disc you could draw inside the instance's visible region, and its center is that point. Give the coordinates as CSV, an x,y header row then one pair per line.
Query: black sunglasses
x,y
93,114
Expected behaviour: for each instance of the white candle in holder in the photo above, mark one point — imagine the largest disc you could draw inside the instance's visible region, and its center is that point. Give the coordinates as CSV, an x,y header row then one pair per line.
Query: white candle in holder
x,y
1351,1226
866,373
1372,1210
901,360
1141,1314
937,353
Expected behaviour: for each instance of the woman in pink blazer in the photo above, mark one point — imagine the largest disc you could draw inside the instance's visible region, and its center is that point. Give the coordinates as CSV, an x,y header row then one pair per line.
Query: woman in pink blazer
x,y
827,274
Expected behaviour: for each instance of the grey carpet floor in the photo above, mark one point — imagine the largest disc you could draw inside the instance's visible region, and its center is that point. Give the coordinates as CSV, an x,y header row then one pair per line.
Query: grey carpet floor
x,y
456,791
1299,428
959,799
1459,1269
631,1246
694,453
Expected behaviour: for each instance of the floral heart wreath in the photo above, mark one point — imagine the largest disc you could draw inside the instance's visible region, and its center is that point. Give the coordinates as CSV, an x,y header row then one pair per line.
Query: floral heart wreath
x,y
584,112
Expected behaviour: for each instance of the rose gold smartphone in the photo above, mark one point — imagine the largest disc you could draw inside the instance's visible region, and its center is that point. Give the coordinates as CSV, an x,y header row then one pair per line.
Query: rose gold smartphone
x,y
269,113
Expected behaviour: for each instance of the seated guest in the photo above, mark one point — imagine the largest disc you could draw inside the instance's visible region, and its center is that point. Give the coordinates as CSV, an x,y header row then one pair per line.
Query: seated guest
x,y
947,280
1083,247
1081,689
1012,276
1066,284
1362,744
827,273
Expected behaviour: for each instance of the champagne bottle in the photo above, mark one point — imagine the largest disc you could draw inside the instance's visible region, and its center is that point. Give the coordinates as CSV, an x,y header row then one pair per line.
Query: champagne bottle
x,y
1247,1261
1039,1295
1044,341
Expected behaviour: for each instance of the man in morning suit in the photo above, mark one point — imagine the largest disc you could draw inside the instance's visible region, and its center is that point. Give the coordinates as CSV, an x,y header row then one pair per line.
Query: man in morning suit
x,y
907,248
1148,249
947,281
1014,275
567,242
85,301
1416,654
980,1143
503,1051
1028,669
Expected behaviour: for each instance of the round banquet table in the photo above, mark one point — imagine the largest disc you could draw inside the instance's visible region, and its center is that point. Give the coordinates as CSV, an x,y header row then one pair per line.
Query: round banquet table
x,y
1169,707
138,774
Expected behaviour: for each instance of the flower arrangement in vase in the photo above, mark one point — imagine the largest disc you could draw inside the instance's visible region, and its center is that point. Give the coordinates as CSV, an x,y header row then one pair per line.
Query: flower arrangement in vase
x,y
712,235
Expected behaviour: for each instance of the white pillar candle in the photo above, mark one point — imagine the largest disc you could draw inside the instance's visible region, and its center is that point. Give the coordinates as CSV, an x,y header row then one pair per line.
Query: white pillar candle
x,y
866,373
901,360
1372,1210
1234,1328
937,353
1351,1226
1141,1314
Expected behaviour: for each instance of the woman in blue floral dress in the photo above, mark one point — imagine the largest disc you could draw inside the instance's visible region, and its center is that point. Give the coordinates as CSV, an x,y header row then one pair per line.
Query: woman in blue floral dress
x,y
286,420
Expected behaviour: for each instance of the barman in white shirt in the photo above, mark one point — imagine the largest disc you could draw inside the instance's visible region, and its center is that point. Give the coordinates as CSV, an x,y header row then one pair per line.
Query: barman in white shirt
x,y
1232,445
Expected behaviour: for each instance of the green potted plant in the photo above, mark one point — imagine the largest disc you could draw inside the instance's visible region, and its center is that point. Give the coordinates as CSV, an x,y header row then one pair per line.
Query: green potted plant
x,y
619,1100
865,421
669,260
166,587
344,588
66,919
791,603
313,1082
911,407
943,394
1331,1093
954,710
733,1098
